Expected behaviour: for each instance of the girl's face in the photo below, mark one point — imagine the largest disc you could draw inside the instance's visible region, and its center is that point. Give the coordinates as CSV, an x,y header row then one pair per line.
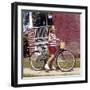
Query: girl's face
x,y
53,29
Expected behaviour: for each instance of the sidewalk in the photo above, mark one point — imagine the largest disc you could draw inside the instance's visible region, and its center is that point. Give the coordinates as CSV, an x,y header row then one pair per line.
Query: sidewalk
x,y
32,73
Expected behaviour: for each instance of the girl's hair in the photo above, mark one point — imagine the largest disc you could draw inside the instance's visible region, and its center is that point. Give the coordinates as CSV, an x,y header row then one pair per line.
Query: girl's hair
x,y
50,28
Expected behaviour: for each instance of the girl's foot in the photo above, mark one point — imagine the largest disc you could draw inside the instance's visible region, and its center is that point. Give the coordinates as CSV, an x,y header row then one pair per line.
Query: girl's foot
x,y
53,68
47,67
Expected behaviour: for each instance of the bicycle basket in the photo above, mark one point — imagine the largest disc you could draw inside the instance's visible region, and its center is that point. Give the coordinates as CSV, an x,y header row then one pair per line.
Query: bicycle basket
x,y
62,45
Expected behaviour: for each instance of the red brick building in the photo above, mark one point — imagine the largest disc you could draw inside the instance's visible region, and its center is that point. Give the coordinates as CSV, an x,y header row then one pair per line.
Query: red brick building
x,y
68,29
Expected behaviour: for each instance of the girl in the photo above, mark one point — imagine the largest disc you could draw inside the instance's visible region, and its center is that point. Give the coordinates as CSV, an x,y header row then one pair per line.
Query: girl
x,y
51,47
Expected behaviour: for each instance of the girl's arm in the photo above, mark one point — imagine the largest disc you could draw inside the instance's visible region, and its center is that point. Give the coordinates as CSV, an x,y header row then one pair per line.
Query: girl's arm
x,y
57,39
50,38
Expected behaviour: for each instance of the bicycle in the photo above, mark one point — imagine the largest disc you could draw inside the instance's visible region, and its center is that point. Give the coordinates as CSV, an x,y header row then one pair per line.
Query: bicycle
x,y
64,59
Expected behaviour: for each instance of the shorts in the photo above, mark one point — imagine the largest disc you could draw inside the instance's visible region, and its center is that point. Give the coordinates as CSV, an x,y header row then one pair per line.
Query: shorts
x,y
52,49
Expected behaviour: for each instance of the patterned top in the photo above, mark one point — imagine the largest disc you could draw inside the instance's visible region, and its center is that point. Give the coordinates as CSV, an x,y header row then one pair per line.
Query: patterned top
x,y
52,39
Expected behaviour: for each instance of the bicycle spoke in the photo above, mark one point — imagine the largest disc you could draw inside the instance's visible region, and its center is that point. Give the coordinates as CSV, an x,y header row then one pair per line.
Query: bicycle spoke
x,y
36,62
66,61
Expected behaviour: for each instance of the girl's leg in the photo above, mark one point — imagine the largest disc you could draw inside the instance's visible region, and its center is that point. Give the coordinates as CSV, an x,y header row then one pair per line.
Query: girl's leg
x,y
49,62
52,64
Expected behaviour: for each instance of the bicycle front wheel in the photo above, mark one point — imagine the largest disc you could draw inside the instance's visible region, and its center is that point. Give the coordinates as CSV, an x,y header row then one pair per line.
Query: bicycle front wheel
x,y
65,61
36,61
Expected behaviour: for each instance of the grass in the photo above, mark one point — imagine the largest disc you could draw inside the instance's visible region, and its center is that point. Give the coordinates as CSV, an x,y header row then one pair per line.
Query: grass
x,y
77,62
26,63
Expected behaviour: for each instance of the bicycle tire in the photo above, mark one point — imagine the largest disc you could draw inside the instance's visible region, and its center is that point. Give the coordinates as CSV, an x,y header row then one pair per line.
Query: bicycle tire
x,y
36,61
65,60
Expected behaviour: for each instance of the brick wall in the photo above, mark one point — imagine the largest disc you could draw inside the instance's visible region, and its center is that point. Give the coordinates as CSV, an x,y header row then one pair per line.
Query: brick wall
x,y
68,29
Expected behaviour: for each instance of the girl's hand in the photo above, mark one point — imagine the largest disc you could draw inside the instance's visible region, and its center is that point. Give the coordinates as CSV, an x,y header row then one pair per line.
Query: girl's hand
x,y
58,39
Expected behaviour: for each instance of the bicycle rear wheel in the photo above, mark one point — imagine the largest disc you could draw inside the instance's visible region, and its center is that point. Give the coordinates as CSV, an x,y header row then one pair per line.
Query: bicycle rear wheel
x,y
65,61
36,61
